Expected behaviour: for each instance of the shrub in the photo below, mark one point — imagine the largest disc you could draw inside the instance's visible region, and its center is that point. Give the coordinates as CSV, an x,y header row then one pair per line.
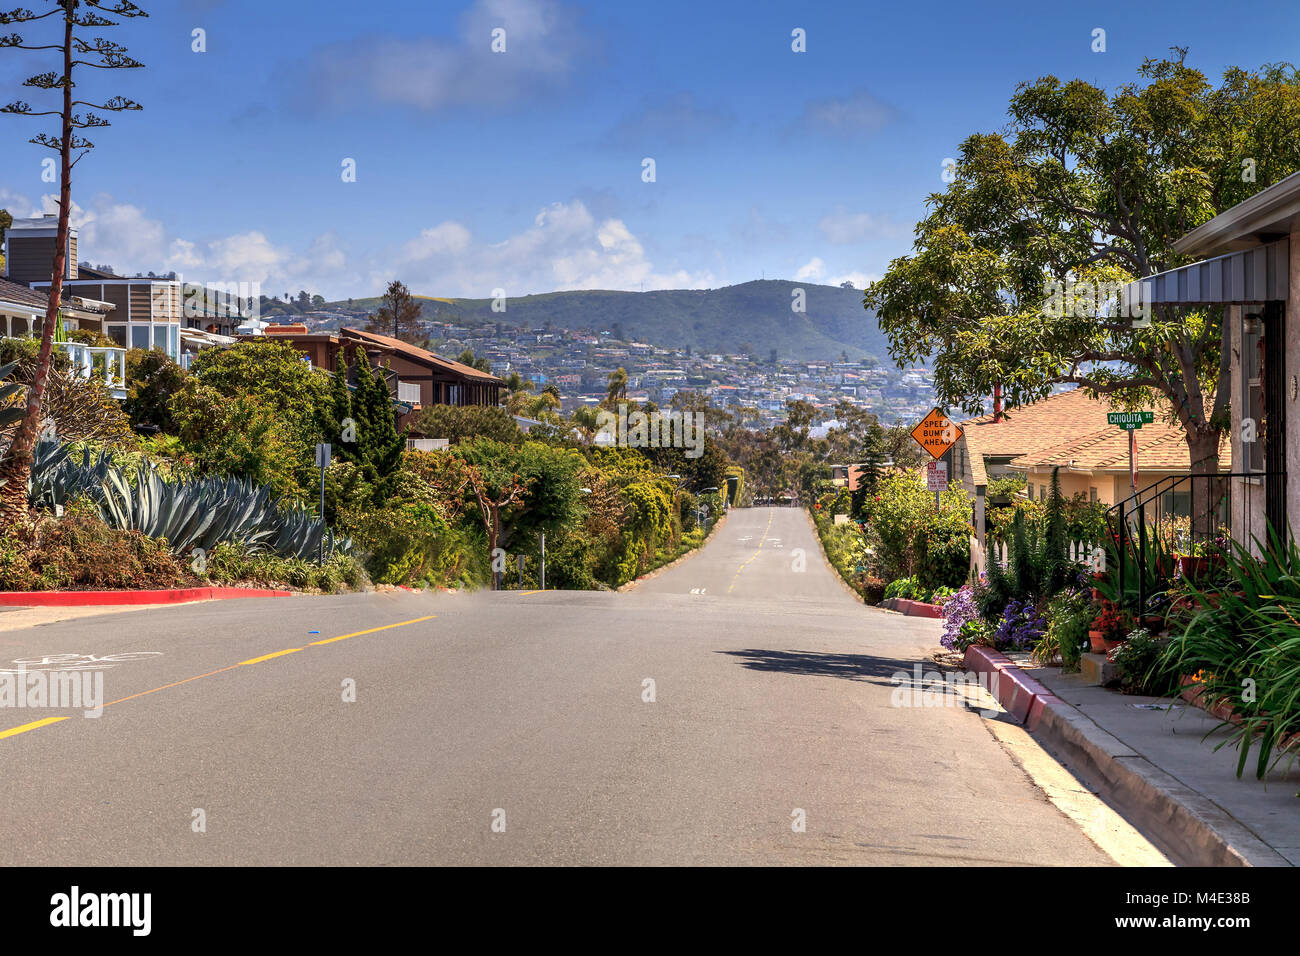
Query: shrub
x,y
81,552
1069,617
1140,666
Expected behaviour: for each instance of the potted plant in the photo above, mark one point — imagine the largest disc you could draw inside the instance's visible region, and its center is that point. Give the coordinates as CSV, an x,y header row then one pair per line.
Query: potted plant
x,y
1109,628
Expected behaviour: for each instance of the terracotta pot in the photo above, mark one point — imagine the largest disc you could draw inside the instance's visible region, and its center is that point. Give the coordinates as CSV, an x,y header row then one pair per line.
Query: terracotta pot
x,y
1098,644
1111,645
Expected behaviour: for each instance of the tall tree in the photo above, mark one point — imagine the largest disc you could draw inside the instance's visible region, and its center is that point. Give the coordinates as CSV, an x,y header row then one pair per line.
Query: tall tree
x,y
1089,186
616,387
74,48
398,315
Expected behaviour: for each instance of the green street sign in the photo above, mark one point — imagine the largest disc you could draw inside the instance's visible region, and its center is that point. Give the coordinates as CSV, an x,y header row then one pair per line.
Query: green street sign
x,y
1130,420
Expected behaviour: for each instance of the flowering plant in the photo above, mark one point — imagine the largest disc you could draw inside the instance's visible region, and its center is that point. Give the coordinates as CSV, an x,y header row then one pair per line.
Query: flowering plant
x,y
1113,622
959,610
1021,626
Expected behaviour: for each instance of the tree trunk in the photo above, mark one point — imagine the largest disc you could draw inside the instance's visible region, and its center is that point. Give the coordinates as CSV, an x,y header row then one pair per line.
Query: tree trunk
x,y
16,467
1208,494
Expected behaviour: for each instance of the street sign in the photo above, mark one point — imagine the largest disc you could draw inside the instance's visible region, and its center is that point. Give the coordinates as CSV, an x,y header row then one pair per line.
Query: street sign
x,y
936,476
323,455
1130,420
936,434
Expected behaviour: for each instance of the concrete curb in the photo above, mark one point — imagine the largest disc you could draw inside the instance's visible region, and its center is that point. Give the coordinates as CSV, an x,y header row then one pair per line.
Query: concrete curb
x,y
675,561
113,598
1188,827
912,608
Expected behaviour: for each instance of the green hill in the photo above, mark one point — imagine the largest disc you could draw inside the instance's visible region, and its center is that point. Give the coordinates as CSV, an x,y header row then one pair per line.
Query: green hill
x,y
754,316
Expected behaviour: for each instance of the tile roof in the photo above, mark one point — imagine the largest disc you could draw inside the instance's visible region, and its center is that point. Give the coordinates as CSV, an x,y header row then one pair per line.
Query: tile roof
x,y
15,293
1160,447
1071,427
422,355
19,294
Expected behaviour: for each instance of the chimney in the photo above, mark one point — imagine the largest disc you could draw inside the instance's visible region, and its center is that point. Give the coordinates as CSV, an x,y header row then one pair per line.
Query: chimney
x,y
29,250
997,403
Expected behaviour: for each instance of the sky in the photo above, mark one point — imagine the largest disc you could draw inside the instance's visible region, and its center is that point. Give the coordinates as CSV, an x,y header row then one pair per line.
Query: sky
x,y
524,170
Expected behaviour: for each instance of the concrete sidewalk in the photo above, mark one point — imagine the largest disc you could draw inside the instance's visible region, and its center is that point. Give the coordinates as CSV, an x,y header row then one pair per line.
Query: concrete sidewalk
x,y
1153,761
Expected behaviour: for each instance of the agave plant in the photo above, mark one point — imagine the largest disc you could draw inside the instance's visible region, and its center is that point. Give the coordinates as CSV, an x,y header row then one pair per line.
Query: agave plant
x,y
199,513
9,415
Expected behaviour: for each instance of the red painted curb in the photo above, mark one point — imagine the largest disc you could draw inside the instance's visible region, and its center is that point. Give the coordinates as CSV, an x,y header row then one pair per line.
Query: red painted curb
x,y
108,598
1022,696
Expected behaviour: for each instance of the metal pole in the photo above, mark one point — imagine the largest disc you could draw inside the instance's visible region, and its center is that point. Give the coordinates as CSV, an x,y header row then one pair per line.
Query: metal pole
x,y
322,515
543,568
1132,460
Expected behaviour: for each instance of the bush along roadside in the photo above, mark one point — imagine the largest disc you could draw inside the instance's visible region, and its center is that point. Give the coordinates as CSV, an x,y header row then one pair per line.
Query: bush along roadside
x,y
846,548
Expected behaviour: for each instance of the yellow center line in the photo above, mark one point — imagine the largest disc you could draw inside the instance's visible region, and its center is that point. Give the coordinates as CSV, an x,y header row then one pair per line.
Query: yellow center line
x,y
14,731
267,657
221,670
770,515
526,593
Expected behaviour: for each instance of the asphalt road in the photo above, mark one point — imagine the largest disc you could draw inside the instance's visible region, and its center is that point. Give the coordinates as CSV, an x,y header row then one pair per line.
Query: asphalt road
x,y
513,728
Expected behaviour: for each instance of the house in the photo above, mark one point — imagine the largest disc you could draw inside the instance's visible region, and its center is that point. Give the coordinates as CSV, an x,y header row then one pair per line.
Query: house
x,y
134,311
1250,268
22,314
1069,431
417,377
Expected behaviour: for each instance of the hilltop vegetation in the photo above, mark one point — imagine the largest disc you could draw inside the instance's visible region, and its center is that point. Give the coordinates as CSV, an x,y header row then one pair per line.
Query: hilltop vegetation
x,y
753,317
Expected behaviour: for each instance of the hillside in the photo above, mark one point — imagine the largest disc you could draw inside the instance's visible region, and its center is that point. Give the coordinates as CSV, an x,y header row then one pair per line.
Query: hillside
x,y
753,317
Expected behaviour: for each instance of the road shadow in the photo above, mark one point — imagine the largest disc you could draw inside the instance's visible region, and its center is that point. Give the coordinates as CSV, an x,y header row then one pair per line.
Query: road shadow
x,y
859,667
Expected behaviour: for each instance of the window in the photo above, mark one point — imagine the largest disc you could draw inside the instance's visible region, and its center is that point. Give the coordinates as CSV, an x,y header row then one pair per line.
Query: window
x,y
1092,495
160,337
139,336
118,334
1031,491
174,340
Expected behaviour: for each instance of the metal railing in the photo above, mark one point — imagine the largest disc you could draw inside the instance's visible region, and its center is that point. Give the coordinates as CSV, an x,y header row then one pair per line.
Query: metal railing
x,y
1156,510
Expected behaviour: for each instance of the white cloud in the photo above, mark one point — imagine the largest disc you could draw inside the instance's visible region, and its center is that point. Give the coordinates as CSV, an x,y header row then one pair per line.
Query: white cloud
x,y
854,115
843,227
814,269
542,45
564,247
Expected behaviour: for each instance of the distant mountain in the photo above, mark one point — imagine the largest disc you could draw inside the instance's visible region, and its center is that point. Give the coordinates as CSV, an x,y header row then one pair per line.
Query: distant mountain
x,y
753,316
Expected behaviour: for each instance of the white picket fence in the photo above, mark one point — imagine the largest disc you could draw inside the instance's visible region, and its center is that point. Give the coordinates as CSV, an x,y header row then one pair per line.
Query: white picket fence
x,y
1082,553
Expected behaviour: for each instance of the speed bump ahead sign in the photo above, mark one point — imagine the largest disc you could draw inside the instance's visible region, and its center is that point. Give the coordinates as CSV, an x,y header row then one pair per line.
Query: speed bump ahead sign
x,y
936,434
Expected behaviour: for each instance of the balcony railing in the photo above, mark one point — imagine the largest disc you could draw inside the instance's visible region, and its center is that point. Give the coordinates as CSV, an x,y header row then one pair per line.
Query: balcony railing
x,y
111,371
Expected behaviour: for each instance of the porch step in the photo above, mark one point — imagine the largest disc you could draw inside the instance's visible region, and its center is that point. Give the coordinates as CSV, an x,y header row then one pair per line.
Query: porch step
x,y
1095,669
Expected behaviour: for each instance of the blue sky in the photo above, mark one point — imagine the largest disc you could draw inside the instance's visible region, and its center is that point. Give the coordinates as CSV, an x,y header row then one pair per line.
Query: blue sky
x,y
522,170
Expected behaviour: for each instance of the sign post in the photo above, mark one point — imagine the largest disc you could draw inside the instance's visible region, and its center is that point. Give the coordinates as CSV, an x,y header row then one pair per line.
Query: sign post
x,y
936,434
323,461
1131,422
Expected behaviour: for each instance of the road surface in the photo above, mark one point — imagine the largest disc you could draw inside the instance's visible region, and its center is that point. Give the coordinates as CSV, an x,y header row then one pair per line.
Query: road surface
x,y
515,728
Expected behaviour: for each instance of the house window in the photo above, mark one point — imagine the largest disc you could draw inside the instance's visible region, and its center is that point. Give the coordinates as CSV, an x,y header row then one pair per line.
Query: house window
x,y
139,336
1031,491
160,337
1092,495
118,334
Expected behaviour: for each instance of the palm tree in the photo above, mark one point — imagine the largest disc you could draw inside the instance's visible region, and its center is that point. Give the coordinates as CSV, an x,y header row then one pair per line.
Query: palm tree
x,y
617,387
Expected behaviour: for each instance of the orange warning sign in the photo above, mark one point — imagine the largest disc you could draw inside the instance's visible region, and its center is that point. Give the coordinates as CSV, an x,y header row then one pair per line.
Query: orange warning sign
x,y
936,434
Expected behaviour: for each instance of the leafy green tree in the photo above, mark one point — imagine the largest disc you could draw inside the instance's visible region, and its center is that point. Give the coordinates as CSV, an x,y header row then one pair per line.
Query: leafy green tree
x,y
152,378
1089,186
458,423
